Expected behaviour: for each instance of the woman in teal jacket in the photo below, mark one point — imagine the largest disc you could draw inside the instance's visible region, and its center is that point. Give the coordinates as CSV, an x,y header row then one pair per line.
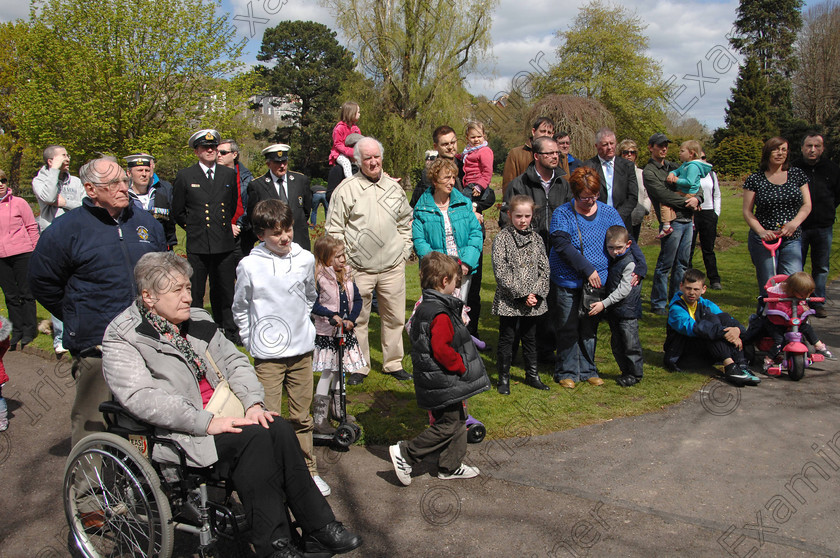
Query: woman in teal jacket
x,y
444,221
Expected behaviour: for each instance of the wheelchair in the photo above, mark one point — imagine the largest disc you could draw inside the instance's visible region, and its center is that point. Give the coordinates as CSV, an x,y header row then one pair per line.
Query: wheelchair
x,y
118,502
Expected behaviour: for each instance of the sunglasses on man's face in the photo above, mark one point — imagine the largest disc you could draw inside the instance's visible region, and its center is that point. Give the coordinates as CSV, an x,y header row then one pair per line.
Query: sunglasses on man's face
x,y
223,152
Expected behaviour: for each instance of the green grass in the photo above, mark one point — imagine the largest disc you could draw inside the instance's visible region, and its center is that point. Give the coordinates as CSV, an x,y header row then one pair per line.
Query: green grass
x,y
387,409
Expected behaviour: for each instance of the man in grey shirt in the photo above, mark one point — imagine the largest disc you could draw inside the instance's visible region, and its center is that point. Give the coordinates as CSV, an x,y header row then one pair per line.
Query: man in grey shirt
x,y
57,192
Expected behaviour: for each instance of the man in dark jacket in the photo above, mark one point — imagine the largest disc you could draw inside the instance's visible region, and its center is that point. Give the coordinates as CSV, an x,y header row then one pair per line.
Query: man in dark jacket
x,y
619,187
279,183
148,194
204,203
82,271
818,227
542,181
675,250
227,154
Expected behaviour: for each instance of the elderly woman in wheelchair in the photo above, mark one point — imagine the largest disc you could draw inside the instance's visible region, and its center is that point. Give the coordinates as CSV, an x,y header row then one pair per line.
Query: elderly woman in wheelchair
x,y
163,361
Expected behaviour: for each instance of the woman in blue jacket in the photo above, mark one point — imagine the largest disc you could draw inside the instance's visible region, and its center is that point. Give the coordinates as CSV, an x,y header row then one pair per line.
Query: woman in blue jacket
x,y
444,221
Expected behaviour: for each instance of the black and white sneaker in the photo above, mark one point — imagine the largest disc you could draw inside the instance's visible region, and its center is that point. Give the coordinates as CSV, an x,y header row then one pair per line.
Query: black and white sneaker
x,y
737,376
401,466
462,472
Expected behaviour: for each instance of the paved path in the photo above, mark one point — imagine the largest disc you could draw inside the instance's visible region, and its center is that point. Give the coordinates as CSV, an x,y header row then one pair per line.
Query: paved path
x,y
729,472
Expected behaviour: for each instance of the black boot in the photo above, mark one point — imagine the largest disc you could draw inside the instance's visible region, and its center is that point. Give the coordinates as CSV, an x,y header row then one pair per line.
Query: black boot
x,y
532,377
504,375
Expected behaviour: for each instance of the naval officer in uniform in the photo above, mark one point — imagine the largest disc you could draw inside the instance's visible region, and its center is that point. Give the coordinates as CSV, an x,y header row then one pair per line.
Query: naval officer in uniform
x,y
204,202
281,184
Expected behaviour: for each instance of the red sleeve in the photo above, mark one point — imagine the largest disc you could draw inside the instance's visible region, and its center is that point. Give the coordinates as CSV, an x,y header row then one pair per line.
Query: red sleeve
x,y
442,334
340,133
485,165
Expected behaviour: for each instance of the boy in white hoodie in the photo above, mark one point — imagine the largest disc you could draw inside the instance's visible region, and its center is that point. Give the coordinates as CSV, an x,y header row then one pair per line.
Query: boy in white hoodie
x,y
275,291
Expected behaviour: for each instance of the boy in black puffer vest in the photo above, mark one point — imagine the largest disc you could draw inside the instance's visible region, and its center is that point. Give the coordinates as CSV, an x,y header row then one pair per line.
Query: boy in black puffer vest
x,y
447,371
624,307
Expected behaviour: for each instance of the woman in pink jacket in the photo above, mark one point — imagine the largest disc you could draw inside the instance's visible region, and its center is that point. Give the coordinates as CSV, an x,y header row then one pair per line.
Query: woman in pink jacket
x,y
18,237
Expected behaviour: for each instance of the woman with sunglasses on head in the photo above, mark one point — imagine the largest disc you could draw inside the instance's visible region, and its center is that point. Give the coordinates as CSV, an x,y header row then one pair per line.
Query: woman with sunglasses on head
x,y
578,255
19,234
630,151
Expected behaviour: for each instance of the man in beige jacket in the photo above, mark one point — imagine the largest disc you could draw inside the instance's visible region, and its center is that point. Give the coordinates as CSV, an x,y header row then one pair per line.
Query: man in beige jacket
x,y
369,212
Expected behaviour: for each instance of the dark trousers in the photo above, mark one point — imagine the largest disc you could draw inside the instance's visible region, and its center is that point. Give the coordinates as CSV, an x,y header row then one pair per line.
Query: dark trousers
x,y
269,473
474,298
19,299
221,269
705,225
709,351
448,435
626,346
524,328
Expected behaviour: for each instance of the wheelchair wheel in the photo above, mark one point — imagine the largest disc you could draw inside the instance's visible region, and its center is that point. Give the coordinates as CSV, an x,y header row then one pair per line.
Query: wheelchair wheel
x,y
113,500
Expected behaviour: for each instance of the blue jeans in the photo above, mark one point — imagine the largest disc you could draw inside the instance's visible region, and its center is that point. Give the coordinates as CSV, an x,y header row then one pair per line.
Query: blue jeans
x,y
673,257
576,338
318,198
819,240
58,332
788,259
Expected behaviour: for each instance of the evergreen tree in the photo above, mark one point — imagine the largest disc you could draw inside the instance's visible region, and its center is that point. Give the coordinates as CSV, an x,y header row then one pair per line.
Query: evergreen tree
x,y
767,31
309,65
748,111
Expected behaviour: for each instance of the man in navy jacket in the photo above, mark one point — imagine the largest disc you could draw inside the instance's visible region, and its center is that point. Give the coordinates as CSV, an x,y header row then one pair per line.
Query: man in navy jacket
x,y
82,271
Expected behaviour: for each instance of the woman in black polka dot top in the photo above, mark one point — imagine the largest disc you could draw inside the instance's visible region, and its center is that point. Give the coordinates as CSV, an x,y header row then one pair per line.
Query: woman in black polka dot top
x,y
776,201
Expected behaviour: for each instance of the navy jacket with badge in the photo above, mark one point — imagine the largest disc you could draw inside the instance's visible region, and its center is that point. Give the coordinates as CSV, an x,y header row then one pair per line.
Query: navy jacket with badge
x,y
205,208
82,269
299,200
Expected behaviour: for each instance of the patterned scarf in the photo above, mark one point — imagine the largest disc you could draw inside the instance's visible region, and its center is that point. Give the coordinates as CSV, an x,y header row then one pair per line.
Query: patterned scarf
x,y
171,332
470,148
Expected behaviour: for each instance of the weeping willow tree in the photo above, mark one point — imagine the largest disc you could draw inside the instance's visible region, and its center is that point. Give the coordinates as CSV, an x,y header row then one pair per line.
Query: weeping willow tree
x,y
413,58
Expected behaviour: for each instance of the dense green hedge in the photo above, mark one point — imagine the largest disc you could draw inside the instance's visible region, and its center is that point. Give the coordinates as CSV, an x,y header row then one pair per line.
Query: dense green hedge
x,y
737,156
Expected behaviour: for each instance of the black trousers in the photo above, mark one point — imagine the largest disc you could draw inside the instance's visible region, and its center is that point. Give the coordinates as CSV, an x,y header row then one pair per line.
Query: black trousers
x,y
19,300
267,468
708,351
525,328
705,225
474,298
221,270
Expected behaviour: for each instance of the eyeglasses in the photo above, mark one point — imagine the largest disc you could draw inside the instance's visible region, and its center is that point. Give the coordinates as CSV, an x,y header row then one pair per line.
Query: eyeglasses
x,y
548,153
4,180
629,152
113,184
223,152
589,199
564,143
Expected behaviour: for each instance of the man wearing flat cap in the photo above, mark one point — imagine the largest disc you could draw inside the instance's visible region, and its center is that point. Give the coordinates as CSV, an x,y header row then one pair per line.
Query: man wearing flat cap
x,y
148,194
204,202
675,249
281,184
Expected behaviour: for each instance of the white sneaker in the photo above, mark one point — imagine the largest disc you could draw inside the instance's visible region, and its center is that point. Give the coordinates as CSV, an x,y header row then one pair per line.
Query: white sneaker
x,y
401,466
322,486
463,472
60,350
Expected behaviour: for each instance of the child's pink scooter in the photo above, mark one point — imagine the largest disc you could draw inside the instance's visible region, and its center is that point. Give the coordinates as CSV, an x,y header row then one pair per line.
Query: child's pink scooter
x,y
796,356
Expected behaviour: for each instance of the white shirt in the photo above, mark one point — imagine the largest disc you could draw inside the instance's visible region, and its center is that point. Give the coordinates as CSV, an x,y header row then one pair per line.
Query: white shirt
x,y
280,182
609,172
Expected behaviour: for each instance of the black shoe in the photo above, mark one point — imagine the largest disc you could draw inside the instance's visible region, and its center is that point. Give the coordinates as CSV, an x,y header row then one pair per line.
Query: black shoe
x,y
26,341
532,379
659,311
504,384
820,312
627,380
355,379
283,548
400,375
333,537
556,377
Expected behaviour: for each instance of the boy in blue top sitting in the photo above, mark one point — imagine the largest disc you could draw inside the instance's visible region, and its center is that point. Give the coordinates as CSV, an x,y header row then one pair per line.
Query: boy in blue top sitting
x,y
699,332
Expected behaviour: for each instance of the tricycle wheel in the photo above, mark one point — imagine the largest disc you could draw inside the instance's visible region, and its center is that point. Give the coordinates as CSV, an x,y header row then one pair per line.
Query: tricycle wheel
x,y
797,367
